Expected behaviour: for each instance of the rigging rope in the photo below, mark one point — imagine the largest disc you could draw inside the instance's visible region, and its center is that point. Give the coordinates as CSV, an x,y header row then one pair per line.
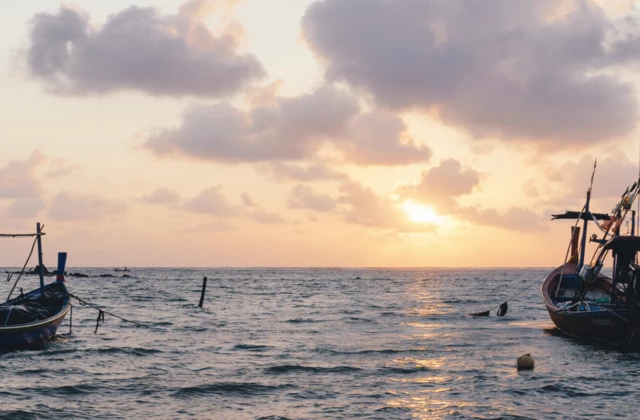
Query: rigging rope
x,y
24,266
503,306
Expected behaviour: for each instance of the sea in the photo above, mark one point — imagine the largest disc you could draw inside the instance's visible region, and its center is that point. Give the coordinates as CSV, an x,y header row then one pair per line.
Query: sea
x,y
326,343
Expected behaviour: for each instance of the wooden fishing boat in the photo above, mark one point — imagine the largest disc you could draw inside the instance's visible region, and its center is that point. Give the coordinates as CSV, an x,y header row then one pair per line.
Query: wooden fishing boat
x,y
34,317
582,301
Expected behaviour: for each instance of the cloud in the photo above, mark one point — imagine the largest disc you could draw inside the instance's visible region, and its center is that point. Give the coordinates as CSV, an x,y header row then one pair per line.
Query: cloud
x,y
68,206
161,196
247,201
515,218
265,217
283,171
439,186
304,197
370,143
138,49
25,208
534,71
264,95
613,175
215,226
211,201
18,179
58,168
371,210
294,129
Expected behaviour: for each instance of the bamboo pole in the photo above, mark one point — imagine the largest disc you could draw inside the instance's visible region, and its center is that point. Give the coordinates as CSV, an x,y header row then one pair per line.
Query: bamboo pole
x,y
204,288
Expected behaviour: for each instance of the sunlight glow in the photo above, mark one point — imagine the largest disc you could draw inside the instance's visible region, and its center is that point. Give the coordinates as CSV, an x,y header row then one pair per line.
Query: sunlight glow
x,y
421,214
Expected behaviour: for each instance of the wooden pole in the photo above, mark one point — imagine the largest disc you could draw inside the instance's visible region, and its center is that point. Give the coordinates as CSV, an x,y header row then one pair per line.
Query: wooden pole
x,y
40,266
204,287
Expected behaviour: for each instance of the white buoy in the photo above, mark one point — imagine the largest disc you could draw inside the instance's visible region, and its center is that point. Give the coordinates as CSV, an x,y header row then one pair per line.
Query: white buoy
x,y
525,362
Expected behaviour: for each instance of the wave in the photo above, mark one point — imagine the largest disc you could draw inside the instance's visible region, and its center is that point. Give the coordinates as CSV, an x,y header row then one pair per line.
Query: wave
x,y
402,371
284,369
566,390
134,351
21,414
246,389
251,347
372,351
303,320
64,390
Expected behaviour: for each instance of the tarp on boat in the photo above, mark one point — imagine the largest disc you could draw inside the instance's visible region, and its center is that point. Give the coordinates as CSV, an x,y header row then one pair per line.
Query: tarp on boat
x,y
573,215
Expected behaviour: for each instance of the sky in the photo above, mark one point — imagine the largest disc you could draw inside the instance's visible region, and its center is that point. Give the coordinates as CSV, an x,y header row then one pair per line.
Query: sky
x,y
313,133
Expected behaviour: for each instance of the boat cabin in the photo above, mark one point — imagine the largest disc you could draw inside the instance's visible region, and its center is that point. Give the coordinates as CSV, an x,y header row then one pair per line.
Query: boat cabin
x,y
624,250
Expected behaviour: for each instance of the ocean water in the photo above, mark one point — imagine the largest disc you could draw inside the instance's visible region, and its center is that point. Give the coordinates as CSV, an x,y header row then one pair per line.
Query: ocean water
x,y
314,344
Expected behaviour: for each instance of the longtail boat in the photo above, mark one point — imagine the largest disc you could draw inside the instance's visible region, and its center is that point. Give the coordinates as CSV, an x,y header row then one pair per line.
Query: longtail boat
x,y
33,318
582,301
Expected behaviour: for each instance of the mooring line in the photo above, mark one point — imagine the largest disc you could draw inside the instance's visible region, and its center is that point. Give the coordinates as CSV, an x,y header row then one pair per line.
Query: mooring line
x,y
504,304
101,312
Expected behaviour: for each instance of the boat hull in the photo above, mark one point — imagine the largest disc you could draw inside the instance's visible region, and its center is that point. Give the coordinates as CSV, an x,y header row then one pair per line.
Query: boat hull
x,y
616,328
34,334
614,324
16,332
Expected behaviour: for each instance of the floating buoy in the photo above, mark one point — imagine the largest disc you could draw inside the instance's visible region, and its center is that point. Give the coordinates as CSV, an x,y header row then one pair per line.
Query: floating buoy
x,y
525,362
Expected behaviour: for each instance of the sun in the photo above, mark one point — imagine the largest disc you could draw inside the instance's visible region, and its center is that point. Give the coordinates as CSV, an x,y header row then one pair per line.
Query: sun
x,y
421,214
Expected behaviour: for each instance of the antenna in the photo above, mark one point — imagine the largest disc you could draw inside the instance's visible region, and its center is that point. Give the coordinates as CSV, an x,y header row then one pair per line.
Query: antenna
x,y
595,163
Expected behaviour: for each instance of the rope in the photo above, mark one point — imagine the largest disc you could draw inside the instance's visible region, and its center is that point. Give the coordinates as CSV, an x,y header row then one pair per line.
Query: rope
x,y
486,313
23,268
101,312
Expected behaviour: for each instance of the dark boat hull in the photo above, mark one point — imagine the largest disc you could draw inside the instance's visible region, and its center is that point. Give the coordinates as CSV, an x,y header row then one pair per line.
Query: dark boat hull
x,y
614,324
36,332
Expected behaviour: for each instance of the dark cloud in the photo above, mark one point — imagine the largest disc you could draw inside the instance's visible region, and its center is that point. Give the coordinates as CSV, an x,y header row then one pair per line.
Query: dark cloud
x,y
304,197
161,196
68,206
531,71
213,202
137,49
441,185
292,130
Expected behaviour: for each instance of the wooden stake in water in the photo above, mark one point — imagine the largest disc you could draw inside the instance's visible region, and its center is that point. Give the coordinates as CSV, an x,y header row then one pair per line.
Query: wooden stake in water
x,y
204,287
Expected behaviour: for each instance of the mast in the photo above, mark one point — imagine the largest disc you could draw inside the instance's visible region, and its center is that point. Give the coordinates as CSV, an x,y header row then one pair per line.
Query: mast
x,y
40,266
583,242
